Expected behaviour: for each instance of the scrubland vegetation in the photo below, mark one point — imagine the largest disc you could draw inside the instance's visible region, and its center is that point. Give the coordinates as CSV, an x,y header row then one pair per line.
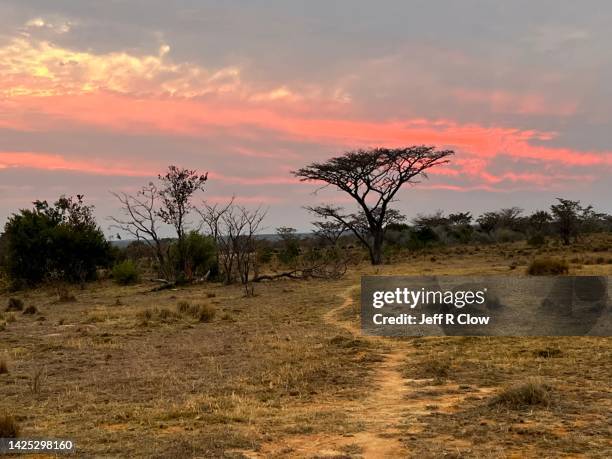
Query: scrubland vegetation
x,y
218,342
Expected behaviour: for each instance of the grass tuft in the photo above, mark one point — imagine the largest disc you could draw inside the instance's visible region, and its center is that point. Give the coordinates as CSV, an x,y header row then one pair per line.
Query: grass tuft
x,y
547,353
206,313
530,393
547,267
8,426
201,312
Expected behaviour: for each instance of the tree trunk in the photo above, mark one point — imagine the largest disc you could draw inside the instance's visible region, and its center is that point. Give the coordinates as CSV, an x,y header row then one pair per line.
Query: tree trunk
x,y
376,248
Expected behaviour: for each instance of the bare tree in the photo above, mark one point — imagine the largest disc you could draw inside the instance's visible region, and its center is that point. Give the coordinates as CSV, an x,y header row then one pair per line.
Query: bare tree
x,y
212,219
372,178
141,221
234,229
241,226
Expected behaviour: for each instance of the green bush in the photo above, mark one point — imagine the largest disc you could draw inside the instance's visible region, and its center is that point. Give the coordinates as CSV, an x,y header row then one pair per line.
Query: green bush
x,y
125,273
547,266
199,253
54,242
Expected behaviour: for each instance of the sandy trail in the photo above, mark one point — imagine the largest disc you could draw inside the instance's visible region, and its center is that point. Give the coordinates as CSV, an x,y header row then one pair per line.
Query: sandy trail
x,y
381,413
391,411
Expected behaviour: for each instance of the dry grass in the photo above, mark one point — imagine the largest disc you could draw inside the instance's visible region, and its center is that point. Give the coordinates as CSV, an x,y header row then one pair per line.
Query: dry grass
x,y
14,304
200,312
30,310
8,426
268,368
526,394
547,267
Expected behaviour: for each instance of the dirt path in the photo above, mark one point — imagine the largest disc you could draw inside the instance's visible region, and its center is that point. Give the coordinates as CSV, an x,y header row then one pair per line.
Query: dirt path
x,y
381,413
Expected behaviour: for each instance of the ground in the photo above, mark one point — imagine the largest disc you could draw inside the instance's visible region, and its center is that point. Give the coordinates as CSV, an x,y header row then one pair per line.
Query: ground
x,y
123,373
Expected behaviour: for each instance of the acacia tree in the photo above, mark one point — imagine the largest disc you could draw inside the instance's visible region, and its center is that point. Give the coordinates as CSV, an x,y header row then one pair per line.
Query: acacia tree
x,y
372,178
569,217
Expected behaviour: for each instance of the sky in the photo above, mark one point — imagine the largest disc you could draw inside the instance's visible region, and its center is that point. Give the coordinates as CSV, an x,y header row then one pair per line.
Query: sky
x,y
101,96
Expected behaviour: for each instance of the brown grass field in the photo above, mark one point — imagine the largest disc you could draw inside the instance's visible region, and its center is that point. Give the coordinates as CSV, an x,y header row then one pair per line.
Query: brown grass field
x,y
124,372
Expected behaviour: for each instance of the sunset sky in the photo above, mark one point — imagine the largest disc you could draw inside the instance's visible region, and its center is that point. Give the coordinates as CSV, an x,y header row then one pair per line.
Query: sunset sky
x,y
100,96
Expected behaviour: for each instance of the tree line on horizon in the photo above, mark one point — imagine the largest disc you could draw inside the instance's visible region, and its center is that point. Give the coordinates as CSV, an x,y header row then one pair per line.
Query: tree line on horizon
x,y
63,242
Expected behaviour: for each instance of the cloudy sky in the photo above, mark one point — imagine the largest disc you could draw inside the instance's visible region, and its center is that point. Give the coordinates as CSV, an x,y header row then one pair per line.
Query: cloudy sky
x,y
100,96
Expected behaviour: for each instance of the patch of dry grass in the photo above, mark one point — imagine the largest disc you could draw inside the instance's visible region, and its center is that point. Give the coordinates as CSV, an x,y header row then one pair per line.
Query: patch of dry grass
x,y
526,394
547,267
9,428
14,304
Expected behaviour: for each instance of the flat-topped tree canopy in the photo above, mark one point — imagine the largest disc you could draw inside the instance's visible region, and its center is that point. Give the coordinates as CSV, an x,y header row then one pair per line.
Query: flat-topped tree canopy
x,y
372,177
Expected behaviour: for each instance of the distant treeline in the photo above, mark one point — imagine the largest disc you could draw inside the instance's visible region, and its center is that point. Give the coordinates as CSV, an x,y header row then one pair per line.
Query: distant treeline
x,y
63,242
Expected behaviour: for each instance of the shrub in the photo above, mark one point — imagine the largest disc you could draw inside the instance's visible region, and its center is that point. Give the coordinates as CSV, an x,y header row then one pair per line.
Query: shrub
x,y
30,310
422,237
530,393
547,266
197,252
125,273
8,426
3,367
60,241
14,304
537,240
506,235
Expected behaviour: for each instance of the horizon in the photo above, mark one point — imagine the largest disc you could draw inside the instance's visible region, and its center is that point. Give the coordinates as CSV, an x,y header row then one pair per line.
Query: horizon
x,y
98,99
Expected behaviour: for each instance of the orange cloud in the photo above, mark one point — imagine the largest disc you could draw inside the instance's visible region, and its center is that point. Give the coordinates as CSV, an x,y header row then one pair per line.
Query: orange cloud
x,y
199,118
45,87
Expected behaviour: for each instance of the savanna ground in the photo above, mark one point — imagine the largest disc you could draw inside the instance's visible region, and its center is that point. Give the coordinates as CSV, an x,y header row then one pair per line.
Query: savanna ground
x,y
123,373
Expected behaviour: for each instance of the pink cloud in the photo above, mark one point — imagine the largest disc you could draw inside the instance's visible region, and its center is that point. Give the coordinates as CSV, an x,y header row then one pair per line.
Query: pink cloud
x,y
47,161
500,101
